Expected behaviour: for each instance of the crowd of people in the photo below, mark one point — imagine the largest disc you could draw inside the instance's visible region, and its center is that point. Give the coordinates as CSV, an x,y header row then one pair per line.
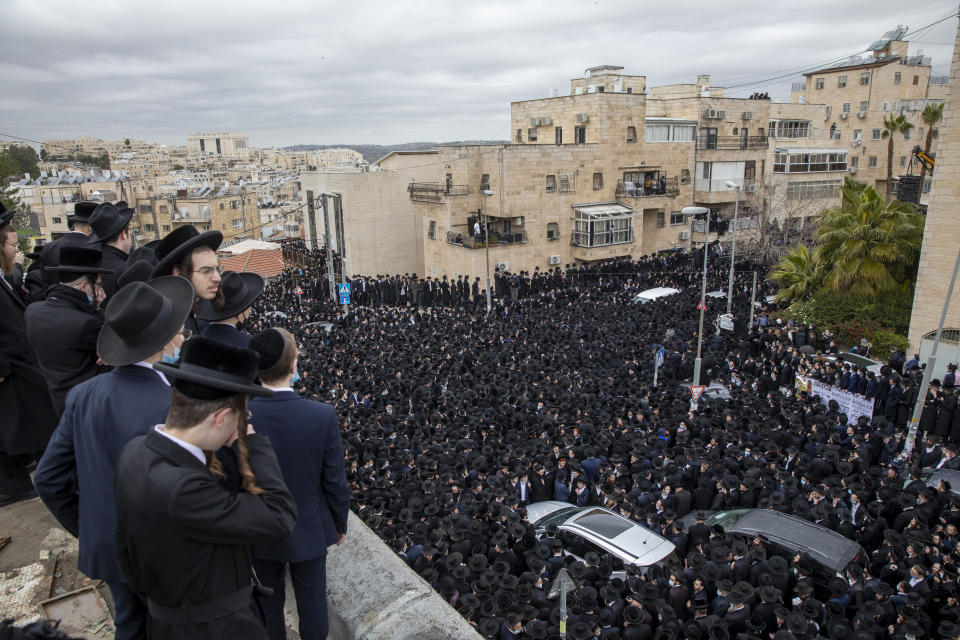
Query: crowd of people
x,y
452,421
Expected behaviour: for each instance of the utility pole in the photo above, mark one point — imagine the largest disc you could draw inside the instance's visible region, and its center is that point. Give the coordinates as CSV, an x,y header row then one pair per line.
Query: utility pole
x,y
331,277
696,212
733,248
486,245
753,301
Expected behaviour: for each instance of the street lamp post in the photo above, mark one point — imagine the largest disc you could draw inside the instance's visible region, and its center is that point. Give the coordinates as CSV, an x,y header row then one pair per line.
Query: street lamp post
x,y
486,245
697,212
733,248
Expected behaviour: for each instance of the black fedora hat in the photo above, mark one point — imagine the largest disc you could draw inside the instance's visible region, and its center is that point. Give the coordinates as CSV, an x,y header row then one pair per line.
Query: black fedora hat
x,y
81,213
142,318
210,369
238,292
108,220
139,271
78,261
180,242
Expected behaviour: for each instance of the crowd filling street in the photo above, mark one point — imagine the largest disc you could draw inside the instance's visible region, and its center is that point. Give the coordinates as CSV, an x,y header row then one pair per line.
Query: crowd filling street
x,y
203,432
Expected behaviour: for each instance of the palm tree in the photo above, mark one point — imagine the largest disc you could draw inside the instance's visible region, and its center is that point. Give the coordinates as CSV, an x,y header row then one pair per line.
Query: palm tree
x,y
891,126
868,246
799,274
932,113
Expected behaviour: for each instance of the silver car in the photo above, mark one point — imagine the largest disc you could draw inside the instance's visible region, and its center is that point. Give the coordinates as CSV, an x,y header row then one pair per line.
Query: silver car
x,y
585,529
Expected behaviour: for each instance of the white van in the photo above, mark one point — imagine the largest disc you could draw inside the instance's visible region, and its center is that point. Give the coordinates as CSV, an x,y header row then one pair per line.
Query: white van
x,y
654,294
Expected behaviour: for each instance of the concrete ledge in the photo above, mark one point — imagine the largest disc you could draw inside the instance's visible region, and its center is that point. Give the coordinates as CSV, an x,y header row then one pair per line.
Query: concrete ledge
x,y
373,595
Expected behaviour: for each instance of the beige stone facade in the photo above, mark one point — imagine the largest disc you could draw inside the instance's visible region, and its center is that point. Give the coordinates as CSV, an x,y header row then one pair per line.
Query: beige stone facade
x,y
229,145
601,172
940,244
234,213
861,93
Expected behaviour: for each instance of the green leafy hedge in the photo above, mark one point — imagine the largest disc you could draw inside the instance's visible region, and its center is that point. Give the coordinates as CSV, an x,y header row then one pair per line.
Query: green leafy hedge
x,y
882,320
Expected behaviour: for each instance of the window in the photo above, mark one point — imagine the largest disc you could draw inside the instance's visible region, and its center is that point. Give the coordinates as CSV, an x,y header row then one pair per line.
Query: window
x,y
736,131
149,228
858,134
676,218
846,107
663,132
841,82
580,135
597,181
551,184
927,184
789,128
828,111
708,137
907,134
814,189
221,206
809,162
886,106
865,77
237,223
519,135
553,231
558,135
432,230
819,83
660,220
872,162
916,80
566,182
601,229
750,170
684,176
896,78
875,134
707,170
146,208
601,88
854,161
903,161
485,182
864,105
162,208
166,228
631,134
532,134
936,132
56,220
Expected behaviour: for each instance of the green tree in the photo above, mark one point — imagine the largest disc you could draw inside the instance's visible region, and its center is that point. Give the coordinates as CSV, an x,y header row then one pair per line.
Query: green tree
x,y
891,126
869,246
799,274
18,160
932,114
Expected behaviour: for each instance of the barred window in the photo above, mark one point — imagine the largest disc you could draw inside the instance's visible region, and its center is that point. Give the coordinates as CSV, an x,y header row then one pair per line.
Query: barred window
x,y
814,189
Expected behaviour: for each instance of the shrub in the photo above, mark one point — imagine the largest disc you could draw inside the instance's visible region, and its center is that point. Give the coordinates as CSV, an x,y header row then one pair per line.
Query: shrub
x,y
890,312
882,341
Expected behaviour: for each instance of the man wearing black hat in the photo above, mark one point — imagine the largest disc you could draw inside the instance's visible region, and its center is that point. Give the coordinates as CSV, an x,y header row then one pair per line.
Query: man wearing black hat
x,y
28,416
143,325
63,329
227,311
187,252
182,537
80,220
306,438
111,229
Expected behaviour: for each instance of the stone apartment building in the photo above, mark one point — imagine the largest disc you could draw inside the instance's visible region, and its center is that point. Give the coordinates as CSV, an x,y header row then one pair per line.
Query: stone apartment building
x,y
231,210
861,92
230,145
939,253
598,173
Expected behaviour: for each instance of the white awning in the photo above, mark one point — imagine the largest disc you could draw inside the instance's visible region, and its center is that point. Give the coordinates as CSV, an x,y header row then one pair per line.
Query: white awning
x,y
603,210
795,150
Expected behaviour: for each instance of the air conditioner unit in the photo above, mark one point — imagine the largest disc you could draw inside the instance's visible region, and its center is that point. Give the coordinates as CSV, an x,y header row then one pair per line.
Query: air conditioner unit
x,y
748,115
861,114
852,169
582,117
844,115
518,221
503,266
711,114
554,259
534,122
684,235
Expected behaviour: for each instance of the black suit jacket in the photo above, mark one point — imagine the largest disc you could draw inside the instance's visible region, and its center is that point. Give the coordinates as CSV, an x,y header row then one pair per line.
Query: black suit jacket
x,y
306,438
226,333
28,416
115,260
63,331
102,415
182,537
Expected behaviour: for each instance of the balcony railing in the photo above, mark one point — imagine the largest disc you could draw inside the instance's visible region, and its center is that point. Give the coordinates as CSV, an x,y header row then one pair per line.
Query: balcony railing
x,y
720,184
732,142
664,187
433,192
497,239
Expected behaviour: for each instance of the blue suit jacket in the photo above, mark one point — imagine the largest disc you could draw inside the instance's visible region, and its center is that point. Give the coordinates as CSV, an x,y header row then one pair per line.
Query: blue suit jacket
x,y
306,438
75,475
226,333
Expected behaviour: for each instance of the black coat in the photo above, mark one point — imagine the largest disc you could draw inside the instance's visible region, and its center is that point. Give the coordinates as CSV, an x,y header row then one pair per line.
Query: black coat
x,y
948,405
115,260
183,537
226,333
102,415
28,415
63,331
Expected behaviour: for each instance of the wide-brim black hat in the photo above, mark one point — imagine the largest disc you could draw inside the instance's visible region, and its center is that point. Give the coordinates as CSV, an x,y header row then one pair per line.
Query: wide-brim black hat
x,y
139,271
108,220
81,213
142,317
180,242
80,261
238,290
210,369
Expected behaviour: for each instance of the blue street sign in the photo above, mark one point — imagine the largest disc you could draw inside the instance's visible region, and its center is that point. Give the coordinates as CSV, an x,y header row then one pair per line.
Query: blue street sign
x,y
344,298
345,288
660,357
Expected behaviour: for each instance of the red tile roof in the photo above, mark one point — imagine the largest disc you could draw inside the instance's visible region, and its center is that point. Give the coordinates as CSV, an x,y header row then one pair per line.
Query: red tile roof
x,y
268,263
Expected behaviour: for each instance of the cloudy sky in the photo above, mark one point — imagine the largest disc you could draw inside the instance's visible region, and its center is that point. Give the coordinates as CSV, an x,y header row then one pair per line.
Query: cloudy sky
x,y
388,72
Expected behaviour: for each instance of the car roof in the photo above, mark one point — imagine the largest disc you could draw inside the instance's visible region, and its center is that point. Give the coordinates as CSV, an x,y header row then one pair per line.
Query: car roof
x,y
827,547
950,475
630,539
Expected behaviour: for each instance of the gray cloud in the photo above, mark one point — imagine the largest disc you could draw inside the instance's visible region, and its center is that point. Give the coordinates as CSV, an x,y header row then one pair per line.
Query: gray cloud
x,y
379,72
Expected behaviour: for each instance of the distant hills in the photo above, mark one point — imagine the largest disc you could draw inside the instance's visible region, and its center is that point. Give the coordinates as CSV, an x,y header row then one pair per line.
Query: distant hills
x,y
373,152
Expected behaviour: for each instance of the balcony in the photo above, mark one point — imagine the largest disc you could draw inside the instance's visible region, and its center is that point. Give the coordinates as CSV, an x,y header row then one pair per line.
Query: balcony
x,y
497,238
663,187
732,143
433,192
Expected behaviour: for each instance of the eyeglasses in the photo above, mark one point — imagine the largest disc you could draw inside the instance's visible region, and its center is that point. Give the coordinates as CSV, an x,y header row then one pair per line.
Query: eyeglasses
x,y
186,333
207,272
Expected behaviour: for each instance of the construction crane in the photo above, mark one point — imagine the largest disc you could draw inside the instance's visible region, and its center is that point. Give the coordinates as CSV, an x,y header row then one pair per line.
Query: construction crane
x,y
923,158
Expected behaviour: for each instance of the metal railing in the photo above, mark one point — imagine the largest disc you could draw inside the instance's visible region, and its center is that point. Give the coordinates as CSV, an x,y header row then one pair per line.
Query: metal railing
x,y
434,192
497,239
732,142
720,184
666,187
